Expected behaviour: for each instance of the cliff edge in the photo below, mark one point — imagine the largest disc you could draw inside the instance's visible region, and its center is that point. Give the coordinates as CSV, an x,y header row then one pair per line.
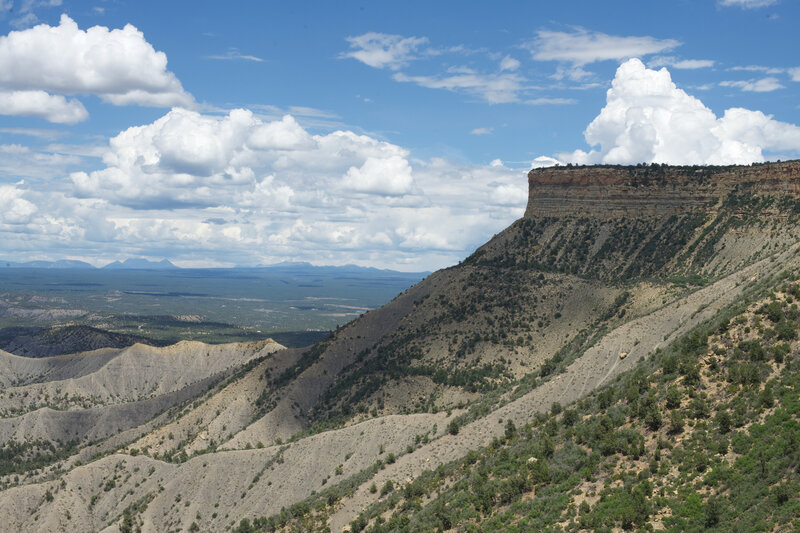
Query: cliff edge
x,y
611,191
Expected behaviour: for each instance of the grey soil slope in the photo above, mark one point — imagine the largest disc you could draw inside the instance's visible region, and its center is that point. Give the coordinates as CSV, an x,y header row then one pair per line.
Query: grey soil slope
x,y
242,482
107,391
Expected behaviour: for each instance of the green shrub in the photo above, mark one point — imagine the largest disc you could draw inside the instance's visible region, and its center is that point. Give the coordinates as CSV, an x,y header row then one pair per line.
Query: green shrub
x,y
570,417
453,427
653,419
387,487
673,397
675,423
786,330
773,311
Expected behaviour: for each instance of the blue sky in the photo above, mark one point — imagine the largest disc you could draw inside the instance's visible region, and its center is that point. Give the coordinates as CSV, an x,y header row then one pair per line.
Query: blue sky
x,y
396,136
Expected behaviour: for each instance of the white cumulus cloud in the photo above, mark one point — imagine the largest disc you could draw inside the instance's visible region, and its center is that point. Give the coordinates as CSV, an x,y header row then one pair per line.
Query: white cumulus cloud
x,y
187,159
239,188
118,65
51,107
285,134
389,176
14,209
647,118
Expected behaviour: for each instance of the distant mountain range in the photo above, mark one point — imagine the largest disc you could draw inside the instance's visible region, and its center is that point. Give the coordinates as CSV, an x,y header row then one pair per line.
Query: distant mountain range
x,y
165,264
131,263
63,263
303,266
141,264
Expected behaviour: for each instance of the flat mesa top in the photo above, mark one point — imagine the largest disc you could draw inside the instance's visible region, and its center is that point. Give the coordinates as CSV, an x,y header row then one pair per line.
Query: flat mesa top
x,y
653,175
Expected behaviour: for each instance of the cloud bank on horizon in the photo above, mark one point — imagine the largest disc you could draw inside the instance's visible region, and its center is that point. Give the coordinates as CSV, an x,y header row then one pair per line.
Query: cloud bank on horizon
x,y
256,184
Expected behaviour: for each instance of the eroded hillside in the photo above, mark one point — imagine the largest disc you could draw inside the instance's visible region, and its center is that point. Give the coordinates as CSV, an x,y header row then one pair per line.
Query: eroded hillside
x,y
700,437
607,261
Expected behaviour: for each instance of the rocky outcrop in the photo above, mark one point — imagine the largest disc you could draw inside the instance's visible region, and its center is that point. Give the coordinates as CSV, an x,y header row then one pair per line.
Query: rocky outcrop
x,y
655,190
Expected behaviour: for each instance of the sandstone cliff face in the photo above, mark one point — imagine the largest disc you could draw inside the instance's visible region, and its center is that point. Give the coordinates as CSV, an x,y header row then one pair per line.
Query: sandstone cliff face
x,y
608,192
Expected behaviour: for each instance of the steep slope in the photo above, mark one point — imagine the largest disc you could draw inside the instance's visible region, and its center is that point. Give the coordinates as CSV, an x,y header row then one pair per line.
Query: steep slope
x,y
549,285
700,438
607,261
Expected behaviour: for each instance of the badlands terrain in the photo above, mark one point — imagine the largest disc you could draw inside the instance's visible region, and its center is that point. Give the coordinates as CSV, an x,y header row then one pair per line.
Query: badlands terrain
x,y
580,371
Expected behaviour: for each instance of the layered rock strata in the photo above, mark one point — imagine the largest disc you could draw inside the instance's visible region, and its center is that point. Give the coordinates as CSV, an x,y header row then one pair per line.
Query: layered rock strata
x,y
613,191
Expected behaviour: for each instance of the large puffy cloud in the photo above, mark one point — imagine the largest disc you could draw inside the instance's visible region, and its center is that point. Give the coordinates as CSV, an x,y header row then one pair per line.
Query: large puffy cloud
x,y
754,128
118,65
285,134
187,159
647,118
240,189
389,176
